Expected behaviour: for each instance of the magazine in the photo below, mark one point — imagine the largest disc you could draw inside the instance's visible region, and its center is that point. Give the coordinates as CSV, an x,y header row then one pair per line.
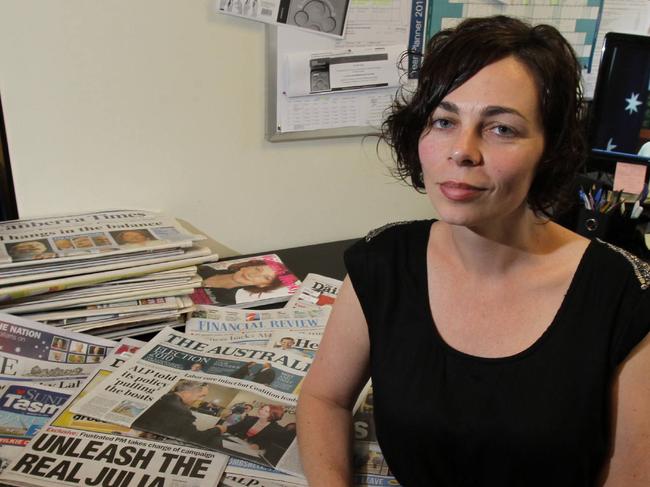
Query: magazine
x,y
74,450
210,394
323,16
247,282
32,352
24,409
85,235
316,291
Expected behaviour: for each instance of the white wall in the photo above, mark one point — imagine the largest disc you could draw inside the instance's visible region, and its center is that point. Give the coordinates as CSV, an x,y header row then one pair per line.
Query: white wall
x,y
159,104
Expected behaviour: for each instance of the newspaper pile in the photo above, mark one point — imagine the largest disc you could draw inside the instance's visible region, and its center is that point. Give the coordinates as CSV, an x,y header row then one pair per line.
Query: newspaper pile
x,y
42,442
110,273
177,411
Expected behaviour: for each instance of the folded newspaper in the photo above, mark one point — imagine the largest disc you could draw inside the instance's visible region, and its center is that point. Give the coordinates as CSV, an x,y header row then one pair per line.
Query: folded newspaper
x,y
181,387
85,235
24,409
72,450
38,353
315,292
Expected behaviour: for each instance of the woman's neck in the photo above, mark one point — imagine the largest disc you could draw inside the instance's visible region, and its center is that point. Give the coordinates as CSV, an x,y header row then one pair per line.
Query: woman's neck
x,y
499,249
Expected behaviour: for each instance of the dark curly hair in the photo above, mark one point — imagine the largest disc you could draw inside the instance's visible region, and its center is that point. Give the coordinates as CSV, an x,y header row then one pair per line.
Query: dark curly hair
x,y
454,55
276,283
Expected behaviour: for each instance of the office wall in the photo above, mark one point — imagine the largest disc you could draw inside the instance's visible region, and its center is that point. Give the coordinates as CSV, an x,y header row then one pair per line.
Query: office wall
x,y
159,104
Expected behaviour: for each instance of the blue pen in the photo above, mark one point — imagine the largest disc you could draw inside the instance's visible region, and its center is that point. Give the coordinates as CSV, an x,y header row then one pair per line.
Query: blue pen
x,y
598,196
584,198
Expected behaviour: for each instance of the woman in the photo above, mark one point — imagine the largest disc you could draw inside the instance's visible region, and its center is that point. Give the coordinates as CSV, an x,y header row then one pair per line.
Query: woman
x,y
520,344
255,276
259,431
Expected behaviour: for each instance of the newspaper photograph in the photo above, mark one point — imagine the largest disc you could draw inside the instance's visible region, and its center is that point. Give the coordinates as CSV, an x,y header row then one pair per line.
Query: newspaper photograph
x,y
32,352
305,343
246,282
84,235
316,291
323,16
74,450
24,409
239,400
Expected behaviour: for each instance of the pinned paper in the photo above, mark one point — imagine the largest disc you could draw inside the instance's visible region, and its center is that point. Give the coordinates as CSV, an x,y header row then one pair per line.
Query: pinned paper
x,y
629,177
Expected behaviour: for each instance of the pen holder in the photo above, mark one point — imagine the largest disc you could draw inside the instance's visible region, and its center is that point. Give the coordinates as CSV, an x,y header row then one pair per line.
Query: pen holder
x,y
593,224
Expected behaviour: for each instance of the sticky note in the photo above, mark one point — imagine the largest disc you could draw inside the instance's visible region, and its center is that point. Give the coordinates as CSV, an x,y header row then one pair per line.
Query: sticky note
x,y
629,177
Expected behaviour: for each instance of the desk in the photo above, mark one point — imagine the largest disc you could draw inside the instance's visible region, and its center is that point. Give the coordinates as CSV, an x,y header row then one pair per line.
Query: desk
x,y
325,259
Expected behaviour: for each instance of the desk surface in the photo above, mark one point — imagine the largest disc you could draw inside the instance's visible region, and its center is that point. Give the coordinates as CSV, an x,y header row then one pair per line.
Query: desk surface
x,y
325,259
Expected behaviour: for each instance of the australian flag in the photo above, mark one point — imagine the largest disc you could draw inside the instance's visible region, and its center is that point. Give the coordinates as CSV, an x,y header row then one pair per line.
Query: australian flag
x,y
624,91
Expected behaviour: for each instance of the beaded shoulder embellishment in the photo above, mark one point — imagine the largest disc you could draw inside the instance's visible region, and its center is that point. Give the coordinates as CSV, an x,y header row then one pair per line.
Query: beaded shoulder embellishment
x,y
641,268
373,233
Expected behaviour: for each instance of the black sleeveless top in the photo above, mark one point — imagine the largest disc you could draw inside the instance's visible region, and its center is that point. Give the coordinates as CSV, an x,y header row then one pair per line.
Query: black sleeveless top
x,y
538,418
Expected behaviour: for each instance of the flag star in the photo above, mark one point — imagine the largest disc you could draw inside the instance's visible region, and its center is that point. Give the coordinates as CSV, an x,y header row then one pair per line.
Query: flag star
x,y
632,103
610,145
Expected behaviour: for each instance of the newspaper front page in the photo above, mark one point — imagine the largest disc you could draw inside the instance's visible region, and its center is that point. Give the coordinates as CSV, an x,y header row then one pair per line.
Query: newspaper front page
x,y
315,292
198,391
226,324
84,235
34,352
24,409
74,450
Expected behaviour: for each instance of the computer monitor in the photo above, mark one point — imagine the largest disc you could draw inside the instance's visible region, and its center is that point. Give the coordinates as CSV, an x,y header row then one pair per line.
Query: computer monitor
x,y
619,128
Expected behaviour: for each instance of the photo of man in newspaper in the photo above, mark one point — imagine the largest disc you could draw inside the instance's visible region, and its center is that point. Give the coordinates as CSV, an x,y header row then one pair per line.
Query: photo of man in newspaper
x,y
30,250
172,415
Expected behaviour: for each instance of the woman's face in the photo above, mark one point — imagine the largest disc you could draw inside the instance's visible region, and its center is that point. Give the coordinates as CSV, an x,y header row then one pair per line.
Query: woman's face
x,y
485,139
264,412
259,275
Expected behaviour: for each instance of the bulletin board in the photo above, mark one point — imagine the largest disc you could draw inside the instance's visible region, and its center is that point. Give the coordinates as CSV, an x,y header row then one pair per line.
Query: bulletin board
x,y
338,114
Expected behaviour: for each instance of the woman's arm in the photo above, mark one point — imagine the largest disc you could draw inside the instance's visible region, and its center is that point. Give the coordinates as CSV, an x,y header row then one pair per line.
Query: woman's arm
x,y
630,462
335,378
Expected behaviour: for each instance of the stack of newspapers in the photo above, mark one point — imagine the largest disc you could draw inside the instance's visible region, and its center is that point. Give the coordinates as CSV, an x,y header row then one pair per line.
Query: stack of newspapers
x,y
214,406
111,273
